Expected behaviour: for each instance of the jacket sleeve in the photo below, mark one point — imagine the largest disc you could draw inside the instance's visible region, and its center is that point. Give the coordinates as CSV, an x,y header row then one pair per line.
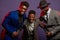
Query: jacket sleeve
x,y
57,28
6,24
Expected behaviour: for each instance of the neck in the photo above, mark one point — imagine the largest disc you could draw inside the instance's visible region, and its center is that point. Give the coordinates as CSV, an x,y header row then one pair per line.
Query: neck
x,y
19,13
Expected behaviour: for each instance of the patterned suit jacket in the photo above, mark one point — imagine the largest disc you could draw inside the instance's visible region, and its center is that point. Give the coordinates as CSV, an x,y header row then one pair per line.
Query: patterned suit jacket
x,y
42,35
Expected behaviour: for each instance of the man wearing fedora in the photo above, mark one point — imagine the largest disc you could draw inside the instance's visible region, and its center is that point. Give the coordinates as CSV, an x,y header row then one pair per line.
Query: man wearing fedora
x,y
51,18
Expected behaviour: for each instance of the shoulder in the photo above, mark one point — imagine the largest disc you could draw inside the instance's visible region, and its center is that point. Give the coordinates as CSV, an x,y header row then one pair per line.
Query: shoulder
x,y
25,22
55,12
37,20
13,12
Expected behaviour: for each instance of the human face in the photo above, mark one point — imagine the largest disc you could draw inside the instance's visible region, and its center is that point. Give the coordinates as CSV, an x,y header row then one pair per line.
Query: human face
x,y
45,9
31,18
22,9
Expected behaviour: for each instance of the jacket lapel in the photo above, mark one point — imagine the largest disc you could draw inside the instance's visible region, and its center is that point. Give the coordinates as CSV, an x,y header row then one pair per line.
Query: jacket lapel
x,y
50,18
35,30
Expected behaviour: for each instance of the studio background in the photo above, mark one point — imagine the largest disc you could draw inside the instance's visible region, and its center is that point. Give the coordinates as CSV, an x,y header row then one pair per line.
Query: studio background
x,y
11,5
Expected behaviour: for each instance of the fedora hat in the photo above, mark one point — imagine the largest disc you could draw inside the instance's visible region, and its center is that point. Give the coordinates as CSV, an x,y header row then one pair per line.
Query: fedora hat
x,y
43,4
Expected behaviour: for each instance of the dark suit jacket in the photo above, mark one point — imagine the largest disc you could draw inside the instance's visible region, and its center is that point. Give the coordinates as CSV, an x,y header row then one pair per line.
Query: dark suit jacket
x,y
11,22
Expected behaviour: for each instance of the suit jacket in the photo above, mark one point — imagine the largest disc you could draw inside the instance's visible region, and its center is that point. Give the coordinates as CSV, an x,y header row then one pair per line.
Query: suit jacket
x,y
54,22
36,25
11,22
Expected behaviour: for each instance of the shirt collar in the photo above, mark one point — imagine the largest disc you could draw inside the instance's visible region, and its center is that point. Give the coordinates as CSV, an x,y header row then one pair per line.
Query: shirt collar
x,y
49,10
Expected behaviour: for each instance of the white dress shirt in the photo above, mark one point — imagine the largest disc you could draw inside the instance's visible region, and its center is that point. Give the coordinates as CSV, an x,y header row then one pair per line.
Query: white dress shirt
x,y
48,12
31,27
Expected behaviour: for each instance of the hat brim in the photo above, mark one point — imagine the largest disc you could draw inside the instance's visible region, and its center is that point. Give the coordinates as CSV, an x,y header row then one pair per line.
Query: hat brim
x,y
43,6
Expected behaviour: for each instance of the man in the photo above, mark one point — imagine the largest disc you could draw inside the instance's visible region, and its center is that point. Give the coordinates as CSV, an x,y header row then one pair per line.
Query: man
x,y
30,28
51,19
14,20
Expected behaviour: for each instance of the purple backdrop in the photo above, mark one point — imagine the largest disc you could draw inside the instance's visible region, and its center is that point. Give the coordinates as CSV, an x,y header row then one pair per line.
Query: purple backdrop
x,y
10,5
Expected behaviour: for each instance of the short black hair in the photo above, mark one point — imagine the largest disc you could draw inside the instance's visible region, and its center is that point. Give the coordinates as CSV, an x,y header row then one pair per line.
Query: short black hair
x,y
25,3
32,12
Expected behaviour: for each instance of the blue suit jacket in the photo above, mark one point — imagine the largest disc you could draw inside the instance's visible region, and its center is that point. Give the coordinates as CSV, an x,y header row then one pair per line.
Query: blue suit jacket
x,y
11,22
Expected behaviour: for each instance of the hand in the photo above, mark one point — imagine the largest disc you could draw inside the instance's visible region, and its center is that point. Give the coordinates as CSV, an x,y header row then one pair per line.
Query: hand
x,y
49,34
15,34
